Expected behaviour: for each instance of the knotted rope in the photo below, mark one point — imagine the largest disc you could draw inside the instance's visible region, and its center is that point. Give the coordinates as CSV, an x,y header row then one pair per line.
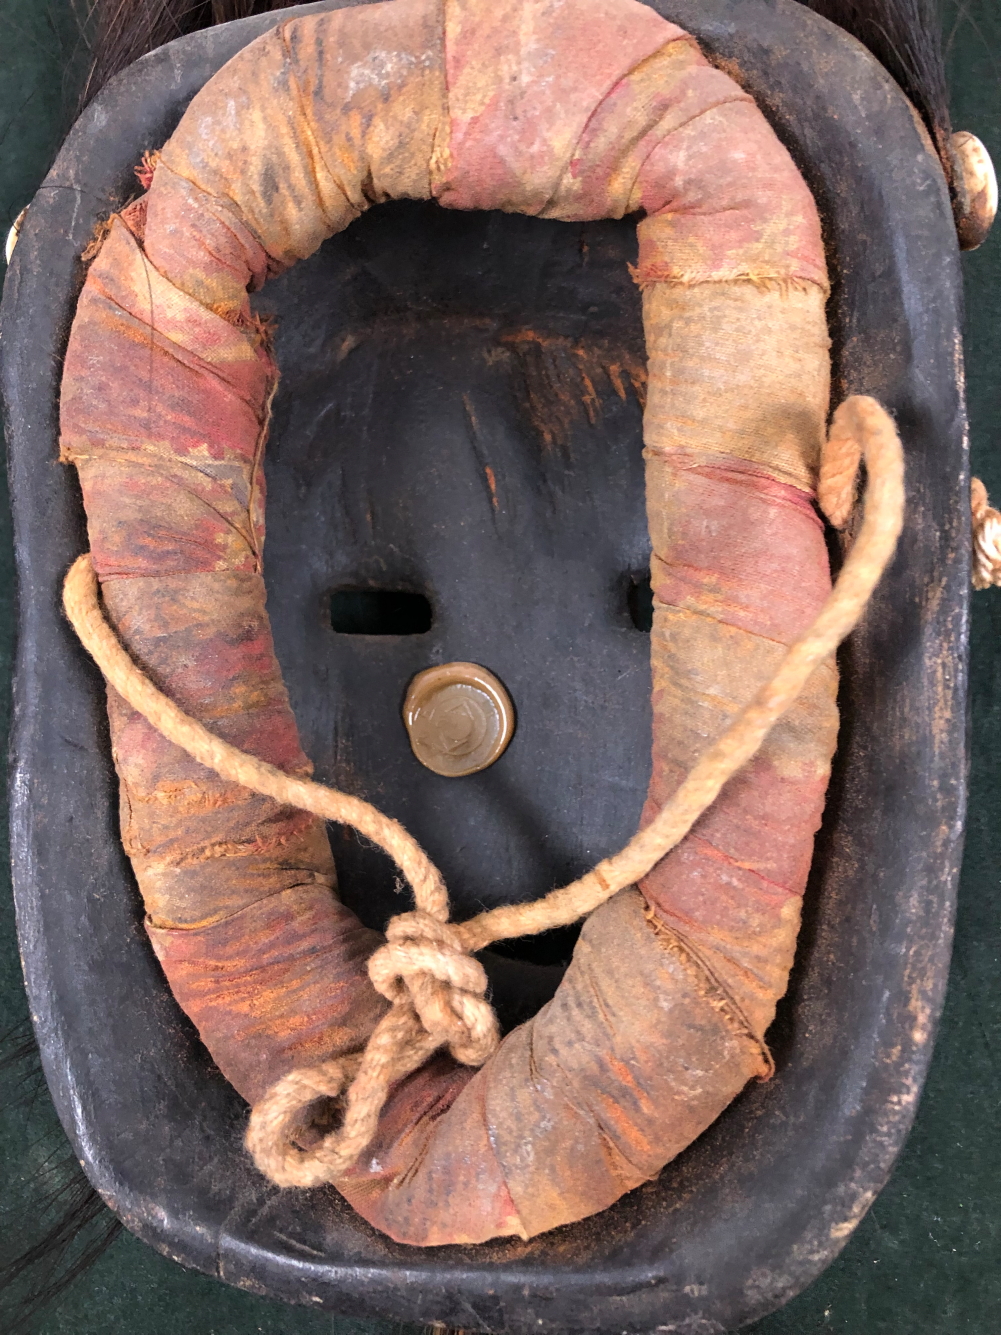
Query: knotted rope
x,y
425,969
986,538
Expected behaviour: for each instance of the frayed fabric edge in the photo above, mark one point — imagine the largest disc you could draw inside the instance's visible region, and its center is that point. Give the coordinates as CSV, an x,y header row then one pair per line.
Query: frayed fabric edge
x,y
784,283
711,989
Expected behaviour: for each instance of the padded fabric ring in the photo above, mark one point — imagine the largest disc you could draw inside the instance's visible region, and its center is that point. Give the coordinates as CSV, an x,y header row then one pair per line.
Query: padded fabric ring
x,y
565,109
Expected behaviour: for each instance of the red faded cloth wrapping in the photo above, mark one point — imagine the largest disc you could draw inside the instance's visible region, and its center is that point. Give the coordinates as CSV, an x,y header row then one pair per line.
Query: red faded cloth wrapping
x,y
566,109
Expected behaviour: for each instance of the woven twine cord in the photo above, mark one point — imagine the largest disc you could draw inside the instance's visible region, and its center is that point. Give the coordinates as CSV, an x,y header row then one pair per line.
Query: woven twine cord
x,y
986,538
426,968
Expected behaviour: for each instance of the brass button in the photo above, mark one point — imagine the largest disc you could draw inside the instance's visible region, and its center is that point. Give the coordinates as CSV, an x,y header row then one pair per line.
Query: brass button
x,y
459,717
978,193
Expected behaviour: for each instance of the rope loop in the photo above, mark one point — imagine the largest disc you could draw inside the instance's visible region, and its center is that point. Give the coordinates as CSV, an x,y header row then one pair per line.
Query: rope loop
x,y
275,1128
841,455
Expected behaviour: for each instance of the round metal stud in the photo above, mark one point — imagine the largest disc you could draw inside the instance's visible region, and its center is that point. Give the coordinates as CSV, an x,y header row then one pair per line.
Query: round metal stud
x,y
978,190
459,718
13,234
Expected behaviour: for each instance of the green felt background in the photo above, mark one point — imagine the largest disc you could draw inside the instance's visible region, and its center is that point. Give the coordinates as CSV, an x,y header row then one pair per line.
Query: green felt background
x,y
926,1260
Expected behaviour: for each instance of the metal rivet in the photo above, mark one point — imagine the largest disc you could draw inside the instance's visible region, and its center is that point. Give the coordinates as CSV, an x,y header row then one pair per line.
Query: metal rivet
x,y
13,234
459,718
979,189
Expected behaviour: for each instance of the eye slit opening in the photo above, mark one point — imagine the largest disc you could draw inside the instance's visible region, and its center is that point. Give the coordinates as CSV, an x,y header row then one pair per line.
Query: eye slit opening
x,y
379,612
639,601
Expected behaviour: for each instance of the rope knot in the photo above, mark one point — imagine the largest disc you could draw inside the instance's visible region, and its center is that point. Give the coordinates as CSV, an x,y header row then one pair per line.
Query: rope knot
x,y
425,962
986,538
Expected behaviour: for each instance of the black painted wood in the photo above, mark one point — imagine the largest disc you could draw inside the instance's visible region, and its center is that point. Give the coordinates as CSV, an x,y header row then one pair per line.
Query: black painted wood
x,y
377,477
432,434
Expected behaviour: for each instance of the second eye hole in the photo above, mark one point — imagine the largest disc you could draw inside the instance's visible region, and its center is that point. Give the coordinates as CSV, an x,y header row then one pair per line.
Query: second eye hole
x,y
639,600
379,612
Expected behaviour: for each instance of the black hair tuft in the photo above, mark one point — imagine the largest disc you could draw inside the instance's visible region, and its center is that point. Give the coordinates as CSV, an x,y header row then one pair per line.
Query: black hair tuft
x,y
56,1226
905,36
